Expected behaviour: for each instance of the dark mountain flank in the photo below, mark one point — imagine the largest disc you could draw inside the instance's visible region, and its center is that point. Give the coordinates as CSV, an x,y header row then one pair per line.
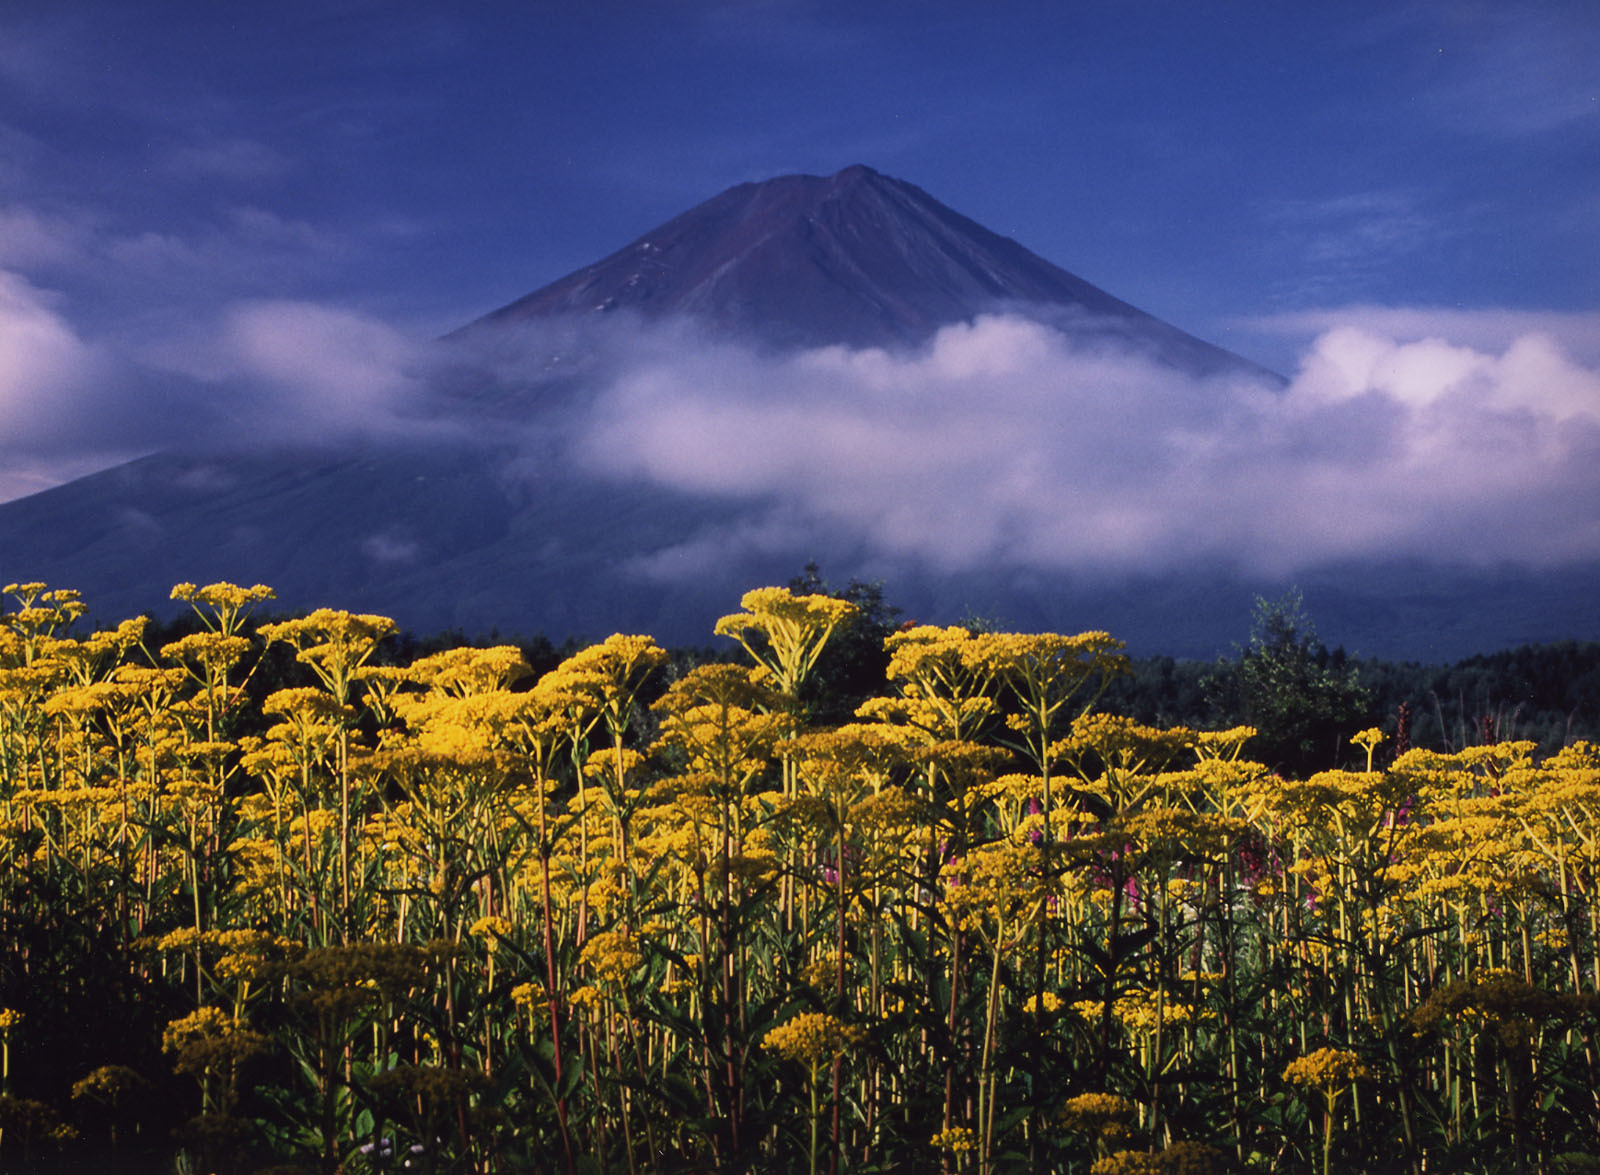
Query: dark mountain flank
x,y
483,518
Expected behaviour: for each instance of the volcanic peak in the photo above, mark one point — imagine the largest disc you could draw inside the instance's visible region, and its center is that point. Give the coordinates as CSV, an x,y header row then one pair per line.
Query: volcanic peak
x,y
857,258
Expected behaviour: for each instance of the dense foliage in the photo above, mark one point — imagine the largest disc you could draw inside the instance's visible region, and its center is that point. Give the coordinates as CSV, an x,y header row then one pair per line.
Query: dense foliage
x,y
1305,700
443,912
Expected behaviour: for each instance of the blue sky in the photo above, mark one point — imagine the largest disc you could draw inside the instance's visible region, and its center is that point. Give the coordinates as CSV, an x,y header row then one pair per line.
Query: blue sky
x,y
185,185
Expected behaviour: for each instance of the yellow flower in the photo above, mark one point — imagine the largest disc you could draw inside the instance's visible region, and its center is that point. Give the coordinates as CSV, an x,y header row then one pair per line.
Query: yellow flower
x,y
467,671
958,1139
213,650
491,928
530,996
210,1039
224,597
186,938
1223,744
1001,882
306,705
334,644
812,1037
612,956
108,1083
1137,1011
1181,1158
1050,1000
1128,746
1094,1111
1368,741
785,632
822,973
1327,1069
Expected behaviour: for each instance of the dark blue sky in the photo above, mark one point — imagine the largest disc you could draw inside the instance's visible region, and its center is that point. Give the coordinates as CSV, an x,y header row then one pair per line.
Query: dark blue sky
x,y
1254,172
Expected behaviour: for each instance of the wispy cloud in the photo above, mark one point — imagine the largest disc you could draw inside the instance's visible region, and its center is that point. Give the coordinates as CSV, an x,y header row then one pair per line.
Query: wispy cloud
x,y
229,158
257,373
1489,329
241,247
50,381
326,369
1489,68
46,363
1519,69
32,240
1338,245
245,248
298,372
1004,444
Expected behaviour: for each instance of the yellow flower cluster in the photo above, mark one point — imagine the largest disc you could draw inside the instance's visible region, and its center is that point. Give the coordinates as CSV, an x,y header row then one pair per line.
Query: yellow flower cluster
x,y
1049,1001
208,1039
1140,1012
822,973
1181,1158
812,1037
531,997
1104,1116
784,632
612,957
958,1140
1327,1069
108,1083
491,928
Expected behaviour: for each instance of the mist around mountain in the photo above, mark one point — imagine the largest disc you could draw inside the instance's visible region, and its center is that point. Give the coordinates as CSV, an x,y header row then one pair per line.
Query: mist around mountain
x,y
838,369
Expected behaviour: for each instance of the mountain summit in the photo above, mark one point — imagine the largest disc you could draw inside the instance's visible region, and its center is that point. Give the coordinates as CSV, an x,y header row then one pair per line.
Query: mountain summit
x,y
856,258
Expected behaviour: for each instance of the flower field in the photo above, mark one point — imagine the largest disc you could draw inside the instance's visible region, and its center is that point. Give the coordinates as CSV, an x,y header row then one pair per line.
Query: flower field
x,y
636,916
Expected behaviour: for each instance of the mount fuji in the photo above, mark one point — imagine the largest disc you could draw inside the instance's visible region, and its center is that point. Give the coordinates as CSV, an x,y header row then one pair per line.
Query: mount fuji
x,y
855,258
515,493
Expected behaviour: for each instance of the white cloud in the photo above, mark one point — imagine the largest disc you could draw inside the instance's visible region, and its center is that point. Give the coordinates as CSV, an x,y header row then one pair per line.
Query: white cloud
x,y
259,372
283,370
42,352
51,428
391,547
1340,244
1521,70
246,248
47,371
1003,443
1575,332
228,158
31,240
318,372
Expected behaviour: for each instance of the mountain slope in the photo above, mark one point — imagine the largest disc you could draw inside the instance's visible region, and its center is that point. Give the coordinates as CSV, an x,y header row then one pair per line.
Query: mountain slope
x,y
440,540
856,258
